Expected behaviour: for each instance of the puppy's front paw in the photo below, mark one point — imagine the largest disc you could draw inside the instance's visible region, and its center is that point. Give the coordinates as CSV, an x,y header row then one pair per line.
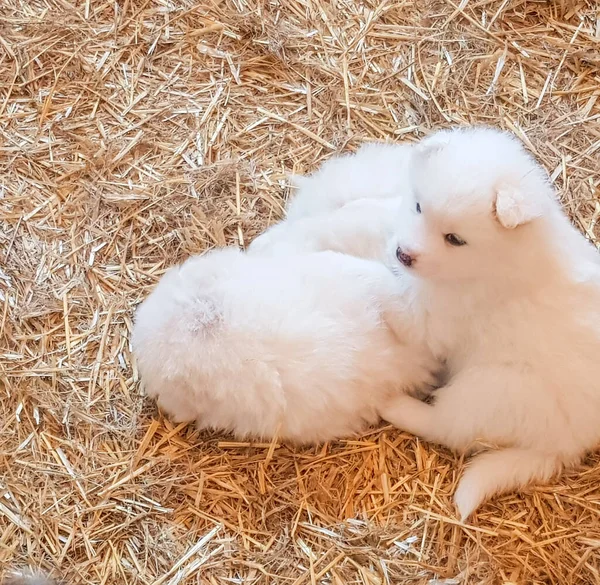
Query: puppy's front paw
x,y
397,409
411,415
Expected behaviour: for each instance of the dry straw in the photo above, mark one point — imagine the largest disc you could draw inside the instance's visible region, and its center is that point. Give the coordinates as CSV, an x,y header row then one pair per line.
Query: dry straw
x,y
136,132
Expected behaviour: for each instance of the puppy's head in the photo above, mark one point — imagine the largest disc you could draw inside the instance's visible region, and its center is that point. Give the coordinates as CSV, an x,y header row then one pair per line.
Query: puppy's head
x,y
476,194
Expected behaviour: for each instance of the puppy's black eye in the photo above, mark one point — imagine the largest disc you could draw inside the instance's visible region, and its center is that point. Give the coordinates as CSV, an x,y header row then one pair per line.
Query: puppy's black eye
x,y
454,240
418,208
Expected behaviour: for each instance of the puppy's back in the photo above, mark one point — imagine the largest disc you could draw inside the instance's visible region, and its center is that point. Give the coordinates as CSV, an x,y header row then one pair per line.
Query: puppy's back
x,y
362,228
234,341
377,170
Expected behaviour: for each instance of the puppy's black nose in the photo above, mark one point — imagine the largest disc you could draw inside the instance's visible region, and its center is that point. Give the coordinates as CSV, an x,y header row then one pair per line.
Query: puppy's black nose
x,y
404,258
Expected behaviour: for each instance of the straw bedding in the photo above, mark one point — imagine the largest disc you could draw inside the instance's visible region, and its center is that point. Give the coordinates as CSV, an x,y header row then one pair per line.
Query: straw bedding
x,y
136,132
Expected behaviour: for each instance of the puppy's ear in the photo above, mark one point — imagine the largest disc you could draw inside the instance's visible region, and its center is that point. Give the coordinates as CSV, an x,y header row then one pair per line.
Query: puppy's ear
x,y
514,207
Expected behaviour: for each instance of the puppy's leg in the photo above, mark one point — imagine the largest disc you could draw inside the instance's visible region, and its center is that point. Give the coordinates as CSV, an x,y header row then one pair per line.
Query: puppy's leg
x,y
457,419
489,404
434,423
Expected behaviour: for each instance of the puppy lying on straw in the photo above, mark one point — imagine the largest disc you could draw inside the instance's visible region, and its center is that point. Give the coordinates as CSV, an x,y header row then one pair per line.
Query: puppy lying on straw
x,y
509,295
361,228
377,170
304,347
349,205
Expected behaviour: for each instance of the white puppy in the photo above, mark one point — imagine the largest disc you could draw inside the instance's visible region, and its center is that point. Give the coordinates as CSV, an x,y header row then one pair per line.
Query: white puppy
x,y
361,228
509,294
349,205
302,347
377,170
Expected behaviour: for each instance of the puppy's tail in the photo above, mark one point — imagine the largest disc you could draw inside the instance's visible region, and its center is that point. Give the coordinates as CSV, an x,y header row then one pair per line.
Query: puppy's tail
x,y
497,472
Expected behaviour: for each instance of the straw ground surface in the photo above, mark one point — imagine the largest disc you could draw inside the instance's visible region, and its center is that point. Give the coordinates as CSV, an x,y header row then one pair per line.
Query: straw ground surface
x,y
136,132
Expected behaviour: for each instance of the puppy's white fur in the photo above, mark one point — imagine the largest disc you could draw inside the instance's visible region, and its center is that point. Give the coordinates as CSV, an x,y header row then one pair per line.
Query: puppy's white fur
x,y
361,228
304,347
377,171
349,205
515,312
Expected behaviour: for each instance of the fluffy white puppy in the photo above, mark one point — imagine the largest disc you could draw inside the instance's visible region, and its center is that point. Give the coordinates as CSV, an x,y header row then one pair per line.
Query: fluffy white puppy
x,y
303,347
349,205
509,294
377,170
361,228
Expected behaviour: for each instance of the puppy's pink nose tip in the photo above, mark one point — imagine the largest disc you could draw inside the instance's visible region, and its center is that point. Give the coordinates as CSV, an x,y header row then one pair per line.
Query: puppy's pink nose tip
x,y
405,258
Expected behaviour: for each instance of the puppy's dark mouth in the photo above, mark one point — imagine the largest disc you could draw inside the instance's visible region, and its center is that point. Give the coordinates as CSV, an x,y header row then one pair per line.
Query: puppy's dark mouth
x,y
404,258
